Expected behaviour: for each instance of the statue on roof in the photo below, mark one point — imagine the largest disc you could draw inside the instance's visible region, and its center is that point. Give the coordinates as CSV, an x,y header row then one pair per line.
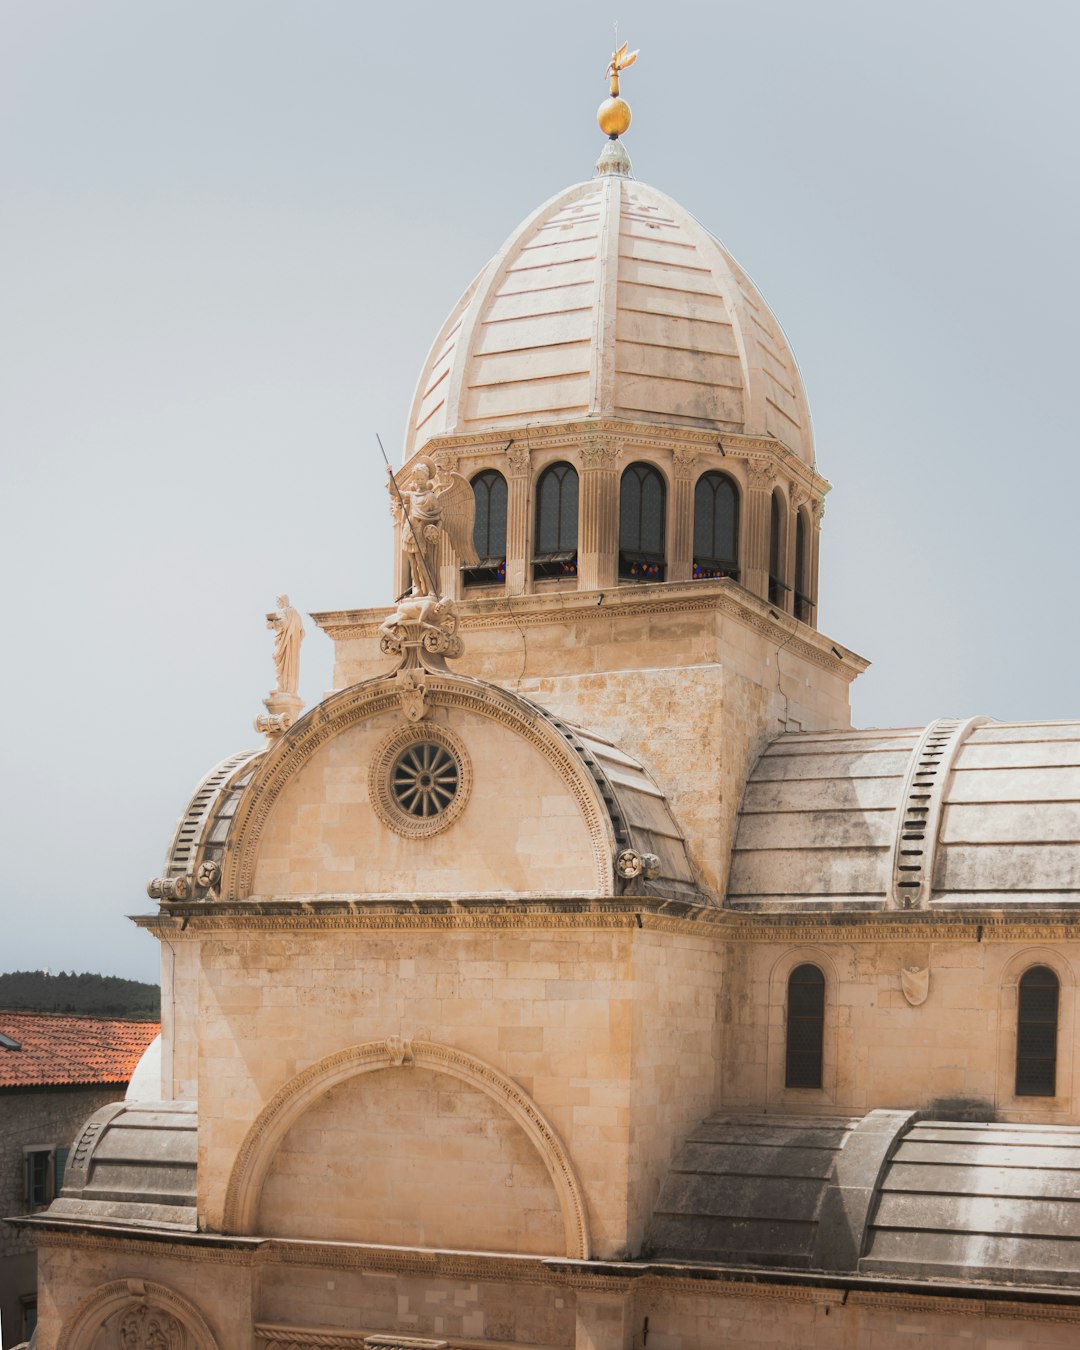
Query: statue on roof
x,y
289,634
427,509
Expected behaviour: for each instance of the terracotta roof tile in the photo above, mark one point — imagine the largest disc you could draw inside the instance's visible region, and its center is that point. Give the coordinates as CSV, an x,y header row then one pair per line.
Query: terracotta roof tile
x,y
60,1048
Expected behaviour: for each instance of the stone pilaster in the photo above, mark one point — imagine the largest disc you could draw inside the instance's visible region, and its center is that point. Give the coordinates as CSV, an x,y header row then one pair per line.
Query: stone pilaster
x,y
518,496
598,516
756,526
681,546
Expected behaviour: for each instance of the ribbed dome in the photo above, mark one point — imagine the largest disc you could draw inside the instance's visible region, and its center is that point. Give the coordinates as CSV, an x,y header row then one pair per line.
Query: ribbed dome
x,y
611,301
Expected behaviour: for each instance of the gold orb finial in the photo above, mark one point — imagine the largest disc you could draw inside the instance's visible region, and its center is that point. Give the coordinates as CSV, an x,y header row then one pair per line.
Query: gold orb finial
x,y
613,114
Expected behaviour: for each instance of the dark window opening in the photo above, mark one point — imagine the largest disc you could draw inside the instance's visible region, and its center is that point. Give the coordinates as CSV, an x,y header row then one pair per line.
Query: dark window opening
x,y
778,587
489,530
642,522
555,549
716,528
804,606
805,1027
1036,1033
43,1175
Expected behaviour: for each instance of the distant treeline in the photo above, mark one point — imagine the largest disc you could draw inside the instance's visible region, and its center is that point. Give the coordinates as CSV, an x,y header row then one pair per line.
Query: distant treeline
x,y
95,995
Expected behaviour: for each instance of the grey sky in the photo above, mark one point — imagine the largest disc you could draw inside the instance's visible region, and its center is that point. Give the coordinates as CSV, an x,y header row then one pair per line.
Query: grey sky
x,y
231,230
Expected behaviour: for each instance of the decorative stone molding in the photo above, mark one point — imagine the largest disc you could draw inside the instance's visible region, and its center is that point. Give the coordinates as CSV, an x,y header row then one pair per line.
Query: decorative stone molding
x,y
761,475
600,455
518,459
381,775
282,710
169,888
422,631
355,705
683,461
293,1099
145,1316
725,597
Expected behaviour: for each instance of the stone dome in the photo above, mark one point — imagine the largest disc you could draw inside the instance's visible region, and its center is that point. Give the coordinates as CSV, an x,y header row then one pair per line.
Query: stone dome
x,y
611,301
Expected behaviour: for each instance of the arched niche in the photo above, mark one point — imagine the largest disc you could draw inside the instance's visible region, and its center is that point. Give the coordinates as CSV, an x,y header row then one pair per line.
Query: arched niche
x,y
140,1313
396,1059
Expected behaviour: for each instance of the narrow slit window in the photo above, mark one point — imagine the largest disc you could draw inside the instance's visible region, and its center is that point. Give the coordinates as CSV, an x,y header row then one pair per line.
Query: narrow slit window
x,y
1037,1033
805,1027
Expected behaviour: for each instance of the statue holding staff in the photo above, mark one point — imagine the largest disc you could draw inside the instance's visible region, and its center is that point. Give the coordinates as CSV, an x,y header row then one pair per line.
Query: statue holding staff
x,y
424,510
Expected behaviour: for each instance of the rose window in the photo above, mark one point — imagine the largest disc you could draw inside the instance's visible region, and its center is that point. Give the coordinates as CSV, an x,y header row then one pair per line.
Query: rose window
x,y
420,780
424,779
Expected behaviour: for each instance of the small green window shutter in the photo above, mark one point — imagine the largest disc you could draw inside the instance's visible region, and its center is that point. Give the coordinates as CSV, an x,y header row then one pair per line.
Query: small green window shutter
x,y
59,1167
27,1174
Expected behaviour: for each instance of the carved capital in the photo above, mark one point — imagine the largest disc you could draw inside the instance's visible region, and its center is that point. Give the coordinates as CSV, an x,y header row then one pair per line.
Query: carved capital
x,y
518,460
762,475
446,461
682,463
601,454
817,510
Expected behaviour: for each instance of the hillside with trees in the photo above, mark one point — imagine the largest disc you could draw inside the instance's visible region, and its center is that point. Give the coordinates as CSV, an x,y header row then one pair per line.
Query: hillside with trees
x,y
93,995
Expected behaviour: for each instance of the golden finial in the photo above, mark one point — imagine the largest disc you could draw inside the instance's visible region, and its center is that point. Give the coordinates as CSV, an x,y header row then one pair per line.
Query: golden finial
x,y
614,113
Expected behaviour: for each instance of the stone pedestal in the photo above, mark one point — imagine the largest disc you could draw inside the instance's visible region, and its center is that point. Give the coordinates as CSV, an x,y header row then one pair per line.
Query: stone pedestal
x,y
282,710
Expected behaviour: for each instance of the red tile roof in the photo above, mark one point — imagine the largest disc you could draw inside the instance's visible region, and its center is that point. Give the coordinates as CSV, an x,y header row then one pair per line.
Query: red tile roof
x,y
60,1048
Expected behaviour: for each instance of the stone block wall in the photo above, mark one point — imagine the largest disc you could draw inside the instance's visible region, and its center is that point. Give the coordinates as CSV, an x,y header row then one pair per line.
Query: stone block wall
x,y
49,1119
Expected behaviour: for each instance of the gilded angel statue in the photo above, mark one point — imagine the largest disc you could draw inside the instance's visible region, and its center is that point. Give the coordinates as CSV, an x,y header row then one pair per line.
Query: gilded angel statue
x,y
431,507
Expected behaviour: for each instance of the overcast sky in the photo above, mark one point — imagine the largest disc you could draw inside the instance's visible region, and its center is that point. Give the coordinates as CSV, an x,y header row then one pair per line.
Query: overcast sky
x,y
231,229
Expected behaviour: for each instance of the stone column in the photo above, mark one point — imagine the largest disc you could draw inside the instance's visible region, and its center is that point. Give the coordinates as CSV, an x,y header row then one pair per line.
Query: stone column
x,y
755,549
681,540
598,516
518,534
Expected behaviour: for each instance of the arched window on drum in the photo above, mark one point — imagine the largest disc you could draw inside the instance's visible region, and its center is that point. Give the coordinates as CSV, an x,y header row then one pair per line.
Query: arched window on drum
x,y
804,603
805,1027
489,530
555,541
716,527
778,587
1037,1033
642,522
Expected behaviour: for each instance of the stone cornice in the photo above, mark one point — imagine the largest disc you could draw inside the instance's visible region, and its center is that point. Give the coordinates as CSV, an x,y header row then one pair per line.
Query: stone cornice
x,y
722,596
650,435
1038,1303
194,920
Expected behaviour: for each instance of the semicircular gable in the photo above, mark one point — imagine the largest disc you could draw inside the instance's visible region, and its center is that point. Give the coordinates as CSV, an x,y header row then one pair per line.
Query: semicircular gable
x,y
308,824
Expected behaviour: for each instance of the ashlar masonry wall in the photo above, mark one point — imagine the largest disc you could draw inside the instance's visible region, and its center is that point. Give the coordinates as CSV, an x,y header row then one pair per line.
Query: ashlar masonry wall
x,y
608,1027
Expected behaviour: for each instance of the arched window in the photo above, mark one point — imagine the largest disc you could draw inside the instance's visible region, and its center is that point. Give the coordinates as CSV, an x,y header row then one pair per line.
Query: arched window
x,y
804,605
489,530
805,1027
716,527
1036,1033
555,548
642,518
778,587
